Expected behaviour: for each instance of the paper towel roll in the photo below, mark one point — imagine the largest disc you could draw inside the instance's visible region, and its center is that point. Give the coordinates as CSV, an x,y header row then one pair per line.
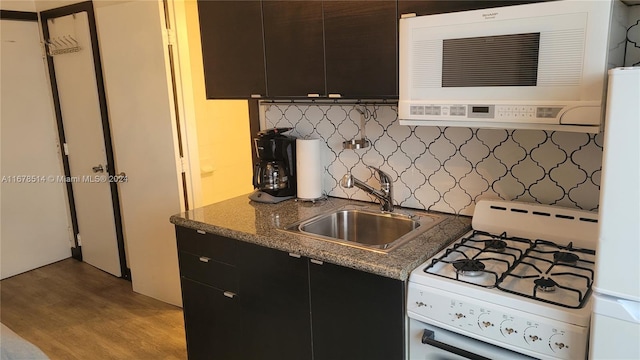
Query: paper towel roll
x,y
309,168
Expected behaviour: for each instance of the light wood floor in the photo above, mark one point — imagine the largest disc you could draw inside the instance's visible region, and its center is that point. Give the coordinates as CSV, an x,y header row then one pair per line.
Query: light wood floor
x,y
71,310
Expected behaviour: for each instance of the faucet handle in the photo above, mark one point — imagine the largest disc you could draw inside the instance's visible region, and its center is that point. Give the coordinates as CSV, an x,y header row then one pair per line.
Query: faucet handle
x,y
384,177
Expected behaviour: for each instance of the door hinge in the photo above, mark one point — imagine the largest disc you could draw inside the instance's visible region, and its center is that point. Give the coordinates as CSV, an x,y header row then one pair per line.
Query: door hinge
x,y
66,149
183,165
170,35
79,239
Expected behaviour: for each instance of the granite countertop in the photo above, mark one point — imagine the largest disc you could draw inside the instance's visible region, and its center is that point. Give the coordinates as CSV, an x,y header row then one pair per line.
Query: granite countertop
x,y
242,219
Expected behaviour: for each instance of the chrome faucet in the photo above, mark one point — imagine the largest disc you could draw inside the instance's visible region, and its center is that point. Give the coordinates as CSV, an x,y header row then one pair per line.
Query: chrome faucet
x,y
384,195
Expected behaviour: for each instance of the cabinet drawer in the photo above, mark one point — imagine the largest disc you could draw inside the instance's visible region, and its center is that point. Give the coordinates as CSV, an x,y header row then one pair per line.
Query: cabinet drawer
x,y
211,323
214,247
208,271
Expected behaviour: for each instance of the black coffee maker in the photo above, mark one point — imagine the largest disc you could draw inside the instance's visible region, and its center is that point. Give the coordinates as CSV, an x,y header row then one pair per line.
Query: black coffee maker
x,y
274,176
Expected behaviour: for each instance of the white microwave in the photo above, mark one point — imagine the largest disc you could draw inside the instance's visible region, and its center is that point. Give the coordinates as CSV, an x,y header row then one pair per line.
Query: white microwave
x,y
532,66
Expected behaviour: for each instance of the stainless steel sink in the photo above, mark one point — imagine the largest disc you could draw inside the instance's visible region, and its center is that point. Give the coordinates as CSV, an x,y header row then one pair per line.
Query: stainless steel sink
x,y
365,227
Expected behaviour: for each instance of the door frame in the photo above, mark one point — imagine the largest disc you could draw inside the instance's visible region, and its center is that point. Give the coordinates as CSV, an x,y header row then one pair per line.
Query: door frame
x,y
86,6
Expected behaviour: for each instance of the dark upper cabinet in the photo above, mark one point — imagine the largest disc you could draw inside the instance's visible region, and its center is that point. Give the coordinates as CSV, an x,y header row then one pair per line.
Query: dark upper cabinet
x,y
294,48
310,48
361,48
356,315
430,7
232,48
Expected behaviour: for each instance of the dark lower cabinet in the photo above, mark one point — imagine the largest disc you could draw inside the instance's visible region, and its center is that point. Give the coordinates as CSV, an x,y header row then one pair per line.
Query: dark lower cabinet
x,y
356,315
212,327
275,304
244,301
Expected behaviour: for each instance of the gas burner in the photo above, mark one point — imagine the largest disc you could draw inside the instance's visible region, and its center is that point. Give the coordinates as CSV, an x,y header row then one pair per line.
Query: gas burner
x,y
495,245
545,284
566,258
469,267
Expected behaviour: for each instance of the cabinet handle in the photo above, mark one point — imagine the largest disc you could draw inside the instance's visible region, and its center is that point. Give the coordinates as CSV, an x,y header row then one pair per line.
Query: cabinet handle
x,y
204,259
229,294
256,96
317,262
297,256
334,96
201,232
313,95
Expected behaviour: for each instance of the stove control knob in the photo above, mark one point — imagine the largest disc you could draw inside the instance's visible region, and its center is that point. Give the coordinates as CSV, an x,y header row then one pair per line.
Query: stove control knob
x,y
487,323
459,316
530,335
506,327
556,343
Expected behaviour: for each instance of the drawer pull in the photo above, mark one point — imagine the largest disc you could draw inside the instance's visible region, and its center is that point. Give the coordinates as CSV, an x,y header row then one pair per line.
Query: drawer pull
x,y
297,256
204,259
318,262
201,232
229,294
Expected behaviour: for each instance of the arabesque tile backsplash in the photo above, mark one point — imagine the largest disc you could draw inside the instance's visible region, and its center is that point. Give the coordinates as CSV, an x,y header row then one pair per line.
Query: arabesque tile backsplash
x,y
448,169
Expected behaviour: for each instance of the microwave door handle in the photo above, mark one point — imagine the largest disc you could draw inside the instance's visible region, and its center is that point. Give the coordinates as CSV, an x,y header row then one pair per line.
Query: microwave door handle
x,y
428,338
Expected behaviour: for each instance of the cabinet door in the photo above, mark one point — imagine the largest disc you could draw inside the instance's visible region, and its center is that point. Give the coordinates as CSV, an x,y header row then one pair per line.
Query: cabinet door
x,y
232,48
361,48
211,322
275,304
430,7
294,48
355,315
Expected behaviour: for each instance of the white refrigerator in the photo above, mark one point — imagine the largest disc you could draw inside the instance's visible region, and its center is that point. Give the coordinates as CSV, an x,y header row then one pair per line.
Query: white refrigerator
x,y
615,327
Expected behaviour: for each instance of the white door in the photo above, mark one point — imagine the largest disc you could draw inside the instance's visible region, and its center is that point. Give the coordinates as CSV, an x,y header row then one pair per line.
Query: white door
x,y
35,225
84,136
139,93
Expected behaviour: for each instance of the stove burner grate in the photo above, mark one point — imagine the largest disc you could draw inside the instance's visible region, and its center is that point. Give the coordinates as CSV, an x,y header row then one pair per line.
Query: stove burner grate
x,y
549,265
495,245
469,267
562,257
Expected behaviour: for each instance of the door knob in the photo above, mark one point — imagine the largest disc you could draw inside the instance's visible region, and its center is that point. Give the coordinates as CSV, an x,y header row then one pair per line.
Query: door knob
x,y
97,169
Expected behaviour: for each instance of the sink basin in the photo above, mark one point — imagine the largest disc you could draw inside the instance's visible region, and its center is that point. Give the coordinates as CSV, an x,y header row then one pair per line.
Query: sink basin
x,y
364,227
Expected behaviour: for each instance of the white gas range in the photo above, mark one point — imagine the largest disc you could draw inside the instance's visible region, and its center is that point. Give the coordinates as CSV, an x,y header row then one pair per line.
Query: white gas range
x,y
518,285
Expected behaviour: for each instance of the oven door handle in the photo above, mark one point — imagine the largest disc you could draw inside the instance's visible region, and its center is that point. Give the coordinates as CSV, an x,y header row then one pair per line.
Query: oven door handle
x,y
428,338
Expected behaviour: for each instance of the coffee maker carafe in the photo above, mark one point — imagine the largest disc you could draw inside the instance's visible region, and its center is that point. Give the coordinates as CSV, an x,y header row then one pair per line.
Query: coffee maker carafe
x,y
274,176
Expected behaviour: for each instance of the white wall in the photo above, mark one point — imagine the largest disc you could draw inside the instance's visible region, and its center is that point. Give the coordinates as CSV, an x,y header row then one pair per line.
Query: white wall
x,y
18,5
34,216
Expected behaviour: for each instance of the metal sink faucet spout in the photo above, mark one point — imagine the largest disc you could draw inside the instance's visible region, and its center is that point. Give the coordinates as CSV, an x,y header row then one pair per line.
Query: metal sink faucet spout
x,y
384,195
